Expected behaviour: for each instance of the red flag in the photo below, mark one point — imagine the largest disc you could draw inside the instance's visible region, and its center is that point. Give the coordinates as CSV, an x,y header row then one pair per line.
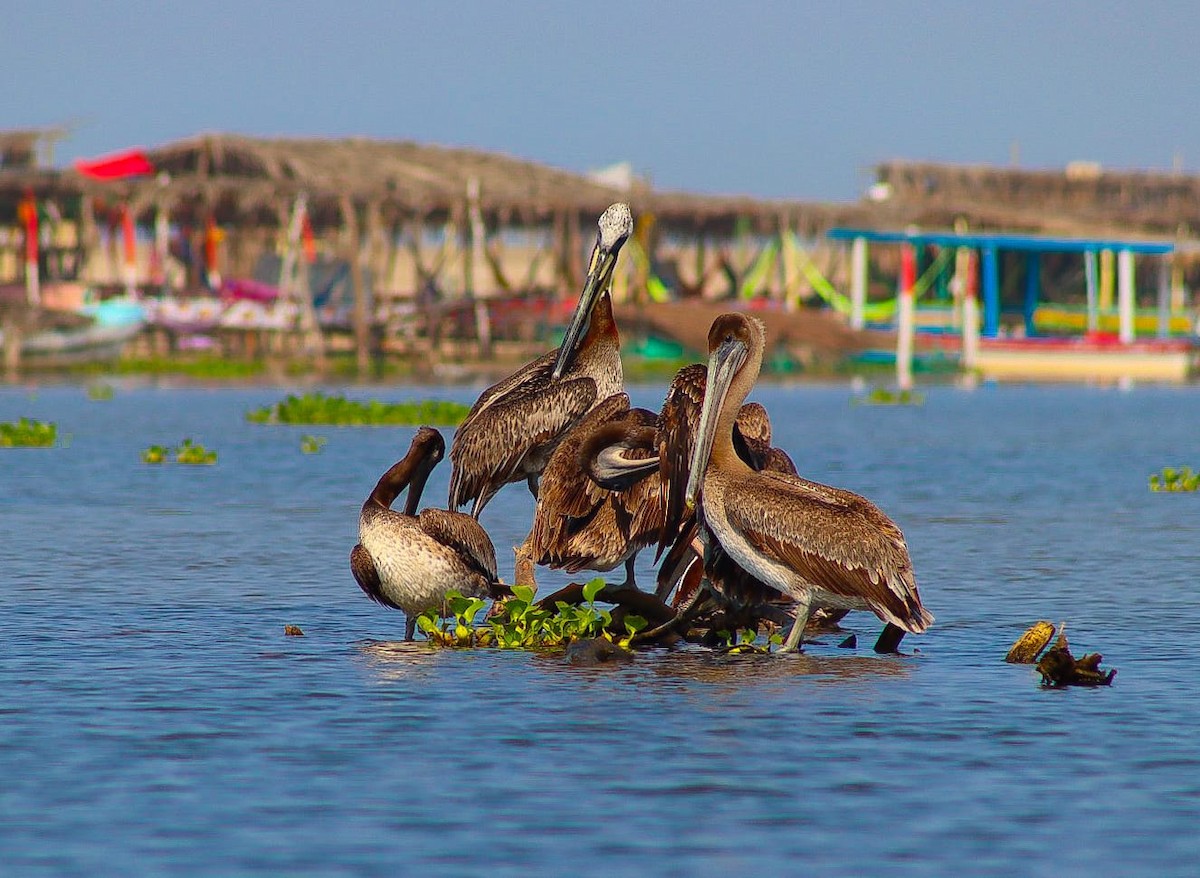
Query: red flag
x,y
308,241
130,163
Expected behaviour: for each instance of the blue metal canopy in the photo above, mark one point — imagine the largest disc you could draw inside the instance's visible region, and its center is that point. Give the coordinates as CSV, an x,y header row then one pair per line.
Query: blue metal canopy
x,y
1005,241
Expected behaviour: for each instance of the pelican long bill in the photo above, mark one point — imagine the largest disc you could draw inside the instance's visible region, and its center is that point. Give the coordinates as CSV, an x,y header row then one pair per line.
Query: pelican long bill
x,y
723,364
616,225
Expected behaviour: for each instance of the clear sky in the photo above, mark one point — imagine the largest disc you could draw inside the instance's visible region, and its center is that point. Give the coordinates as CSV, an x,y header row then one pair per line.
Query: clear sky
x,y
780,99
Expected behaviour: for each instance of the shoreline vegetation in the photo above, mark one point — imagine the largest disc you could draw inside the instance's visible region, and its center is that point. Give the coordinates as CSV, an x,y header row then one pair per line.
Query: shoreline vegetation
x,y
341,369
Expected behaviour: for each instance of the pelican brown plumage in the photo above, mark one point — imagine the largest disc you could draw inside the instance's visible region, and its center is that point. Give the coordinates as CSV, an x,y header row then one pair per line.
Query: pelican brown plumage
x,y
409,561
599,503
516,424
811,542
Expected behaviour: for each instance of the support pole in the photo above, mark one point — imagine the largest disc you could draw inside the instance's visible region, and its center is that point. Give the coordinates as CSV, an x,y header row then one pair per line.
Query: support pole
x,y
858,282
1033,270
476,264
1089,273
991,293
1164,298
905,321
1106,281
966,268
353,256
1125,295
27,211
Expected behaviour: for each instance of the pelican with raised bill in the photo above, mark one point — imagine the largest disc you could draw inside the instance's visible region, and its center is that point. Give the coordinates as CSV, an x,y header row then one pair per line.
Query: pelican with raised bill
x,y
814,543
515,425
410,561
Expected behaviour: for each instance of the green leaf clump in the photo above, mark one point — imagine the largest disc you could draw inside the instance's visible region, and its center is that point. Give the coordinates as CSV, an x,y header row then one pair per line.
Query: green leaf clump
x,y
336,410
187,452
886,396
27,433
311,444
521,623
1172,479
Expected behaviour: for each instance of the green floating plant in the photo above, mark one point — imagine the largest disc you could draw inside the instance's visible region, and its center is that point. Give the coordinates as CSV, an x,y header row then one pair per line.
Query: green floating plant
x,y
335,410
187,452
886,396
191,453
1172,479
27,433
311,444
522,623
156,454
100,392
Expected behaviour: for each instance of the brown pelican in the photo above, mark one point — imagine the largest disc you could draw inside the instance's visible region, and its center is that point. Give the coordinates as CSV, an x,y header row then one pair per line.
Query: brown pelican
x,y
515,425
408,561
599,503
814,543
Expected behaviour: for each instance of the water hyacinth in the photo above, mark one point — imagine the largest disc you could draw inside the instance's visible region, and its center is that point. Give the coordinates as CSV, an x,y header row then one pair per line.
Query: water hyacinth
x,y
336,410
1172,479
27,433
522,623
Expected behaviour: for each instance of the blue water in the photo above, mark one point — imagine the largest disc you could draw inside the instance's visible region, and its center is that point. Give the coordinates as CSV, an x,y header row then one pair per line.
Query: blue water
x,y
154,719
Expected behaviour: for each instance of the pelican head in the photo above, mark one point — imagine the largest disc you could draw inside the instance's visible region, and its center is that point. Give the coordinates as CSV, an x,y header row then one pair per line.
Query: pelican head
x,y
734,341
616,225
427,449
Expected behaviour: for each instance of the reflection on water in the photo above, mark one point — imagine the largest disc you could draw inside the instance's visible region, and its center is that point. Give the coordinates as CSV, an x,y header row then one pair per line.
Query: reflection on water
x,y
156,720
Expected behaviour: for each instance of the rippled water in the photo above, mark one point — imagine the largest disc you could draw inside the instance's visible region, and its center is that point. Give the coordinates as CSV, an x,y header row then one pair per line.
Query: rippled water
x,y
155,720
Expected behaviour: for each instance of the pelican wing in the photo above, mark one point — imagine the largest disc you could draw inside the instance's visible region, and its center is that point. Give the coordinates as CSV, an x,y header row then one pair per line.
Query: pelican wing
x,y
367,576
488,452
831,538
532,373
464,535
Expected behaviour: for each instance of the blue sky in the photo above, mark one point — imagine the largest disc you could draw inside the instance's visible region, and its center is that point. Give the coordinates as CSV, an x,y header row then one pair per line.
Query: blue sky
x,y
779,99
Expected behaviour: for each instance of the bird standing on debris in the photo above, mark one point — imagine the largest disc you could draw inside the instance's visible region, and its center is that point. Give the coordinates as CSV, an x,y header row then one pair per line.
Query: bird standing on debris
x,y
410,561
516,424
814,543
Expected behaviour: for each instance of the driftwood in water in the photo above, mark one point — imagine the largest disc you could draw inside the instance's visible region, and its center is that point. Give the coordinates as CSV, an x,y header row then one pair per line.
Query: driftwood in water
x,y
1057,666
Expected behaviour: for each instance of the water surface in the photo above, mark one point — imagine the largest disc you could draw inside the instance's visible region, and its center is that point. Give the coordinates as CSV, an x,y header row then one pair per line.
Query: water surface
x,y
155,720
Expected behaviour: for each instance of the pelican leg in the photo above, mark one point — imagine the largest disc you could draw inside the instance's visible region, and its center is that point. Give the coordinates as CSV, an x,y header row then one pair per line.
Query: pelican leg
x,y
630,580
796,634
410,626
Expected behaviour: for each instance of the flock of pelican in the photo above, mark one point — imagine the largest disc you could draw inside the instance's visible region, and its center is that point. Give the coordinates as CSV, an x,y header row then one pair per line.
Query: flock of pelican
x,y
699,481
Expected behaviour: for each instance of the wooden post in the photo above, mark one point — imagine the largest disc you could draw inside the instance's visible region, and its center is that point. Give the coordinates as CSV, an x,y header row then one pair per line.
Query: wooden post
x,y
476,263
12,349
352,253
1125,296
906,317
858,282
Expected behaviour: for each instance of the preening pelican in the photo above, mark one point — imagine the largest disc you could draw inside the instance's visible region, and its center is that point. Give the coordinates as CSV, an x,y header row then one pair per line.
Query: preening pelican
x,y
814,543
516,424
408,561
599,502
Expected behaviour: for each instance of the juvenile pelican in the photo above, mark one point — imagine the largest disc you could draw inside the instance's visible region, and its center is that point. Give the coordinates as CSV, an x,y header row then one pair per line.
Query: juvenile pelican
x,y
599,503
814,543
408,561
515,425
